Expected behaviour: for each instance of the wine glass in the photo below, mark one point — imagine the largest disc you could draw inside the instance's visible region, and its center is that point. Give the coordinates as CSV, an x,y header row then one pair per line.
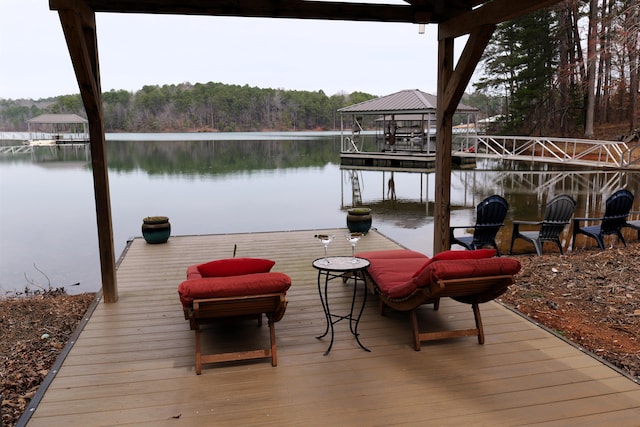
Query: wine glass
x,y
325,239
353,239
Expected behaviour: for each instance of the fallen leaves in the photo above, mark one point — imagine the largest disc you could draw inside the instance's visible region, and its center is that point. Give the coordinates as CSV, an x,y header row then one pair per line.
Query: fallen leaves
x,y
33,331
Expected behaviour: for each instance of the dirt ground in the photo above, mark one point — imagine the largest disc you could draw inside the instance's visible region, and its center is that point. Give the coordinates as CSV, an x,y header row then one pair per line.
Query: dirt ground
x,y
590,297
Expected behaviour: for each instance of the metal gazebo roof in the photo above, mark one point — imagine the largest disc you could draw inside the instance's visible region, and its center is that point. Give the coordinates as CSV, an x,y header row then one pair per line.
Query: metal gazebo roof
x,y
58,119
405,101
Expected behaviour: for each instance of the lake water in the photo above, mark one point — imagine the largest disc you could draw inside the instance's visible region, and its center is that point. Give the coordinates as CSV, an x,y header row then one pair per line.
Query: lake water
x,y
242,182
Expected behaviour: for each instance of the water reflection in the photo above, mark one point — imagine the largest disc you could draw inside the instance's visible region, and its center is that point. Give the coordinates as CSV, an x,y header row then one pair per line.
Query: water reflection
x,y
50,154
220,157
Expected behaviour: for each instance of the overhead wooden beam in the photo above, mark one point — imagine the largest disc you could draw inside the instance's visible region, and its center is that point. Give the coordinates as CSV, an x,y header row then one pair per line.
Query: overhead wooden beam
x,y
299,9
489,13
459,79
79,27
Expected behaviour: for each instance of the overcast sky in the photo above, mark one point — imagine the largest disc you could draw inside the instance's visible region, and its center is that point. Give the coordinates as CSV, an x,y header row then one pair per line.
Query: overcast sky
x,y
136,50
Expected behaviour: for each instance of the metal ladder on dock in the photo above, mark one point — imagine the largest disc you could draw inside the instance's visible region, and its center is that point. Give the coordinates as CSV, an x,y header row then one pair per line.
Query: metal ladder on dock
x,y
356,193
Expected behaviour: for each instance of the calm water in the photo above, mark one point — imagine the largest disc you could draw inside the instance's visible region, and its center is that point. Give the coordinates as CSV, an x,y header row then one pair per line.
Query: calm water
x,y
216,183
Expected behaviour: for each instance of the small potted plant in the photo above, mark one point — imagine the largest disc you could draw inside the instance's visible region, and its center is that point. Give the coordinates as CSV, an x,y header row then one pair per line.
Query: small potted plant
x,y
156,229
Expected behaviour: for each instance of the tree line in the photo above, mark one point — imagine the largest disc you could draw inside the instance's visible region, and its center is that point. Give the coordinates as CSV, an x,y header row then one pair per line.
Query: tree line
x,y
195,107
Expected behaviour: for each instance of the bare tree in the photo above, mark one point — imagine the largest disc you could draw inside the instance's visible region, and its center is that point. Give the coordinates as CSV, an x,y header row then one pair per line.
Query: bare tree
x,y
591,69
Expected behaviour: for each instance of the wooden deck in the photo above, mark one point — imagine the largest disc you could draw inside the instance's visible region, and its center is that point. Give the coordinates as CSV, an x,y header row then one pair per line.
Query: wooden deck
x,y
133,363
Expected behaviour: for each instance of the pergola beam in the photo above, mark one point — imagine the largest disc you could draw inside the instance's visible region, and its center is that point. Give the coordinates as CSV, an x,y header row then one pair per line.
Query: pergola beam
x,y
490,13
292,9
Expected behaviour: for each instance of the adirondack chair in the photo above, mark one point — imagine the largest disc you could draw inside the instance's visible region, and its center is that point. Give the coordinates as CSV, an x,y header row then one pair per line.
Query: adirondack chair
x,y
557,215
490,215
617,209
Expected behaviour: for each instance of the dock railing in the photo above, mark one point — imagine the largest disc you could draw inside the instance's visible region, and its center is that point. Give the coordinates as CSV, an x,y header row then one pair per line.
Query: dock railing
x,y
579,152
16,149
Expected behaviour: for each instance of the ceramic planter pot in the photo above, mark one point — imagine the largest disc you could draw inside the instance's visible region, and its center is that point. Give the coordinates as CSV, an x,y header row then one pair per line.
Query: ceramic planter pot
x,y
156,229
359,220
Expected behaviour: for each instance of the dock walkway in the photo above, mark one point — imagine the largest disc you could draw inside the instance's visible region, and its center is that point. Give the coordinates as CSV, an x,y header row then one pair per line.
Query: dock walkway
x,y
133,363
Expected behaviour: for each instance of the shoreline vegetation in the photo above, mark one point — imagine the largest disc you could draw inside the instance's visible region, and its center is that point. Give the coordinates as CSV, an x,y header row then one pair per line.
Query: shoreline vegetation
x,y
219,107
589,297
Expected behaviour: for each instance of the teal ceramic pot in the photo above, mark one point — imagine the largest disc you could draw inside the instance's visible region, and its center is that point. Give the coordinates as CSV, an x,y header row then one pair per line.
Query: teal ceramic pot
x,y
156,229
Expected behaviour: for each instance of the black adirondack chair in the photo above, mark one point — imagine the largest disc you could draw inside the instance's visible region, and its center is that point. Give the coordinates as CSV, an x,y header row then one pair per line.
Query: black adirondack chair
x,y
557,216
617,209
490,215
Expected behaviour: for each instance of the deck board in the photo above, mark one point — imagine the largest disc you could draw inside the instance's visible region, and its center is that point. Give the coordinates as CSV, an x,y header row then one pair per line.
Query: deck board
x,y
133,363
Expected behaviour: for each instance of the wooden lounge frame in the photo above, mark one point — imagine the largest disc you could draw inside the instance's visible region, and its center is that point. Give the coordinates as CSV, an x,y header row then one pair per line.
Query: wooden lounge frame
x,y
473,291
208,310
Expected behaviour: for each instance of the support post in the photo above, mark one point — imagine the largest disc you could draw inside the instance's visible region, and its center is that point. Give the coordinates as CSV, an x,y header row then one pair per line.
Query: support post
x,y
79,27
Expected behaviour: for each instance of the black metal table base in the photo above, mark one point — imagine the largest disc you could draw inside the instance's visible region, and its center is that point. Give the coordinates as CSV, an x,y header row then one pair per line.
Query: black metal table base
x,y
331,272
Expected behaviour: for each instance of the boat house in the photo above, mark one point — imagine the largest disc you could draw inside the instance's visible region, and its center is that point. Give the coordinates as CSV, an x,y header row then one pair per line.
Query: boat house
x,y
404,120
405,133
49,129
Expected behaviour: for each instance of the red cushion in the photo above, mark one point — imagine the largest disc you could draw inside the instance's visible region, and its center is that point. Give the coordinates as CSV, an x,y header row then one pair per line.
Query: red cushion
x,y
391,254
232,286
235,267
446,269
393,276
457,255
193,272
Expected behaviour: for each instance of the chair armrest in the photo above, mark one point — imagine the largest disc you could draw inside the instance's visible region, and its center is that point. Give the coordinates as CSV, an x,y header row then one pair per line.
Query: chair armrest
x,y
462,226
527,222
575,220
451,233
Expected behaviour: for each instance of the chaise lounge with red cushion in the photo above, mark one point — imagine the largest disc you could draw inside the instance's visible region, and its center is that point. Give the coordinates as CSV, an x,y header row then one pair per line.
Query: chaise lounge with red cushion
x,y
405,280
236,287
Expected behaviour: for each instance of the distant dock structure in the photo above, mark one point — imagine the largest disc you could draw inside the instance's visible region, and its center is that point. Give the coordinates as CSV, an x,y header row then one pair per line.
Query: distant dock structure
x,y
405,132
405,139
51,129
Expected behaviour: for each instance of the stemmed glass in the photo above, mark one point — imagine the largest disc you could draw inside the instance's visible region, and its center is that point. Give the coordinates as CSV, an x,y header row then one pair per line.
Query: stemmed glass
x,y
325,239
353,239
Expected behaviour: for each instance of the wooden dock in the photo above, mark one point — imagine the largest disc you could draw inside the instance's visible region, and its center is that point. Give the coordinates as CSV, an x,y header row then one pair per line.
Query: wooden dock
x,y
133,363
399,161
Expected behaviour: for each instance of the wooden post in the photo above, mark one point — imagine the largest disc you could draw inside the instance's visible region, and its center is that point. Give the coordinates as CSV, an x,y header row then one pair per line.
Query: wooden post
x,y
451,86
444,124
79,26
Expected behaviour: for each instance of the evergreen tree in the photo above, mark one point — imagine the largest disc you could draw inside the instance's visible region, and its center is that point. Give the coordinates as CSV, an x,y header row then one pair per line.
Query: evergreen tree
x,y
519,64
